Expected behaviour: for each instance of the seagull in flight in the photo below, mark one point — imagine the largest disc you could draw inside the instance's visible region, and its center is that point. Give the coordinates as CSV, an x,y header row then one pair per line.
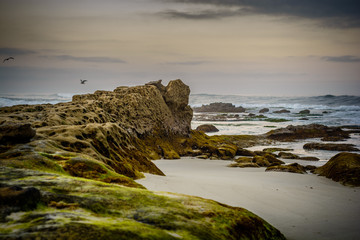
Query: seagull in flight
x,y
82,81
7,59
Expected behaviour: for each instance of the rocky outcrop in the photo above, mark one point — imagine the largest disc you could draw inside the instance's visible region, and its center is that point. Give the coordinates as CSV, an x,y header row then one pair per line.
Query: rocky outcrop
x,y
291,132
219,107
331,147
207,128
343,167
99,135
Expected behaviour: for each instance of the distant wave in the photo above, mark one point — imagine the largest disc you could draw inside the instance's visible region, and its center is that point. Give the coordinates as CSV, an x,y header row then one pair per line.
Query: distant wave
x,y
32,99
266,101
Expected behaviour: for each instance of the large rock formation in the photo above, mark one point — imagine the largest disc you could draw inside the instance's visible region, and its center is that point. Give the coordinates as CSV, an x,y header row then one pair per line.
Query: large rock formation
x,y
343,167
105,129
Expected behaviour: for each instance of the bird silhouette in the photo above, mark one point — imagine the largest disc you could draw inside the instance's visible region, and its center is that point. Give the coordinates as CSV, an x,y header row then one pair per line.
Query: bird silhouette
x,y
7,59
82,81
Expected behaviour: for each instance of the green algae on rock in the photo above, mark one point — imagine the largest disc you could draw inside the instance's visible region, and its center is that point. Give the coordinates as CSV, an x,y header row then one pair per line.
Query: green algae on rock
x,y
343,167
76,208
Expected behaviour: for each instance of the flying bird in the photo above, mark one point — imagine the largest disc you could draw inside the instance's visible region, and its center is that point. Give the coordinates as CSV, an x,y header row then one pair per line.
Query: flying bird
x,y
7,59
82,81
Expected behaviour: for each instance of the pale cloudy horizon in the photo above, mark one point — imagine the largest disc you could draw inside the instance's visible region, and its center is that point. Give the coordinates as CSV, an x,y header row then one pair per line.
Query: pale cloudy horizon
x,y
237,47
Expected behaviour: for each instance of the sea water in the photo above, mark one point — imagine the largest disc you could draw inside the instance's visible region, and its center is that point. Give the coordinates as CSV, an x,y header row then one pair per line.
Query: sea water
x,y
328,110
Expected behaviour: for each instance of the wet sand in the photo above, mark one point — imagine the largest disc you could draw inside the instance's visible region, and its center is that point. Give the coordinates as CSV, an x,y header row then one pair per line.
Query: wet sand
x,y
301,206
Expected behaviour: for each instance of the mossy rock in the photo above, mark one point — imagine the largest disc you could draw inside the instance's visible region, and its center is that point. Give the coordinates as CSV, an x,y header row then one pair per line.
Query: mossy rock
x,y
293,168
343,167
108,211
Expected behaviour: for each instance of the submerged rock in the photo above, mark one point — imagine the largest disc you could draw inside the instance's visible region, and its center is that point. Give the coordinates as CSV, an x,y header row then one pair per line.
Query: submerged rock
x,y
343,167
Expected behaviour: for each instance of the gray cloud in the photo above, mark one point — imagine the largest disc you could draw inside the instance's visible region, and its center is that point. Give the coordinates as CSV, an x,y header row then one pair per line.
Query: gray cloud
x,y
86,59
188,63
199,15
15,51
343,59
331,13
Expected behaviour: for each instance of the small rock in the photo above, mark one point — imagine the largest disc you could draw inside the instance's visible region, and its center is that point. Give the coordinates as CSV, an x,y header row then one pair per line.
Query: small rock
x,y
264,110
306,111
207,128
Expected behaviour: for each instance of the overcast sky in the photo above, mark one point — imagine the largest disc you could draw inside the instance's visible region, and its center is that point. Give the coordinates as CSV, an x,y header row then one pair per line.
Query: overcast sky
x,y
245,47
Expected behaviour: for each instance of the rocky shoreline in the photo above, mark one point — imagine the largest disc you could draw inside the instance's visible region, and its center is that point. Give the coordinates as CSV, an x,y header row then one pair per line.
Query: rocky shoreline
x,y
86,154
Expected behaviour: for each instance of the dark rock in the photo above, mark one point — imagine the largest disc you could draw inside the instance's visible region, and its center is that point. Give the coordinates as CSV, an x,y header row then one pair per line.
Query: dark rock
x,y
306,111
305,119
282,111
330,147
244,152
343,167
219,107
294,168
264,110
291,132
310,168
207,128
16,133
18,197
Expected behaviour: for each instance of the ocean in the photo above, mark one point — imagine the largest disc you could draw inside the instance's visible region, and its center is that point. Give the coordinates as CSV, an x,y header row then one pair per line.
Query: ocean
x,y
328,110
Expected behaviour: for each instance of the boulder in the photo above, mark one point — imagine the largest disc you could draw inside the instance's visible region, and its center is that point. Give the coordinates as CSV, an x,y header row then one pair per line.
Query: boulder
x,y
330,147
207,128
219,107
343,167
294,168
16,133
291,132
264,110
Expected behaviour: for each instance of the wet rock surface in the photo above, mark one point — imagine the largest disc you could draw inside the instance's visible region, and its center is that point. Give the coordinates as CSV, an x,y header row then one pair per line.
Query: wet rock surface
x,y
343,167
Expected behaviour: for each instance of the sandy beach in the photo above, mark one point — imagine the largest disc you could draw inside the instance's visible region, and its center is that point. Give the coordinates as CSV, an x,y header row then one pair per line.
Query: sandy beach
x,y
300,206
